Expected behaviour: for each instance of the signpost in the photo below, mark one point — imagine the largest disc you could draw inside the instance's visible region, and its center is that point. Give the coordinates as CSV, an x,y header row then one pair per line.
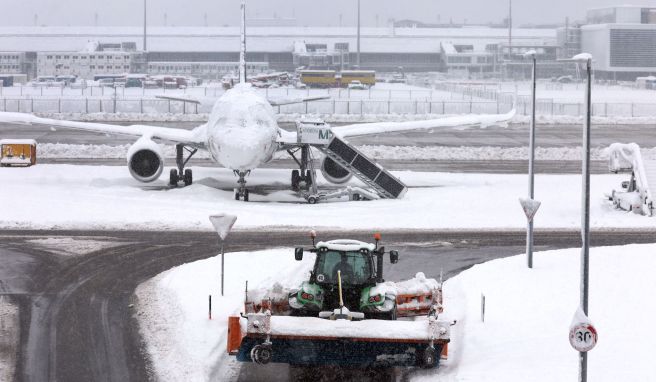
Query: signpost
x,y
222,224
530,207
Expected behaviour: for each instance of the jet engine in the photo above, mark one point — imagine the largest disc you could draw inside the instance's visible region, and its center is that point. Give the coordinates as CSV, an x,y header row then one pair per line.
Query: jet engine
x,y
333,172
145,160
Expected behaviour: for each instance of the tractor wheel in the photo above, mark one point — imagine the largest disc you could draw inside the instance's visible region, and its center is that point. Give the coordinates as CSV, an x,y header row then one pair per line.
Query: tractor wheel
x,y
261,354
173,178
428,358
188,177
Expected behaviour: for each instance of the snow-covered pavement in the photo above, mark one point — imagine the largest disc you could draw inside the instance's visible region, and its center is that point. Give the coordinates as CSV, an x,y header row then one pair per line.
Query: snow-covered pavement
x,y
524,336
105,197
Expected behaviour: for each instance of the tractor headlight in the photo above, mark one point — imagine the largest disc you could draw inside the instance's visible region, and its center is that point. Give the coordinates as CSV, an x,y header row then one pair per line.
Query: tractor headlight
x,y
375,298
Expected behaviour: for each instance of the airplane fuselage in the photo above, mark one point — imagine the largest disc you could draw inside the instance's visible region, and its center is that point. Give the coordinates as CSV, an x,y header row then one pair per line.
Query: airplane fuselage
x,y
242,129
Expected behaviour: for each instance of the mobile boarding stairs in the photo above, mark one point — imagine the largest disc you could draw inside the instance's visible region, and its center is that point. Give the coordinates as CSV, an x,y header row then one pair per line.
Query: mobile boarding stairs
x,y
637,194
379,183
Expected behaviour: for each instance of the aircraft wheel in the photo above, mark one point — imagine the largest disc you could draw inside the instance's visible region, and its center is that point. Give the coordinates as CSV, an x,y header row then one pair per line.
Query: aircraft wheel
x,y
308,179
296,178
188,177
236,195
173,177
245,195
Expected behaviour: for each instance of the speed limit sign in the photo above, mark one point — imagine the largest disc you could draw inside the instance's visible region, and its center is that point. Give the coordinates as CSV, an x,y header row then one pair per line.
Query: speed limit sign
x,y
583,337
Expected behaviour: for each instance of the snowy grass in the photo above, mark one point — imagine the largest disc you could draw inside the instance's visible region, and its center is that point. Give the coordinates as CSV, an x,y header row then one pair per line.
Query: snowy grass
x,y
106,197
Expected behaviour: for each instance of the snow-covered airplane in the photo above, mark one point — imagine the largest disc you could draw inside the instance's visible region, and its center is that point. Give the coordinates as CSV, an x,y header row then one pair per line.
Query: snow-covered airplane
x,y
242,134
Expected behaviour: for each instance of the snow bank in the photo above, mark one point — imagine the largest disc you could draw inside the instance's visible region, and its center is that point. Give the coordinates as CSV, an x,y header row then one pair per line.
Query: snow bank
x,y
106,197
63,150
341,118
528,314
172,310
69,246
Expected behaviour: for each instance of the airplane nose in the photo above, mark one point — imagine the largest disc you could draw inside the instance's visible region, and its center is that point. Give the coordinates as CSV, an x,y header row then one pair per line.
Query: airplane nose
x,y
241,149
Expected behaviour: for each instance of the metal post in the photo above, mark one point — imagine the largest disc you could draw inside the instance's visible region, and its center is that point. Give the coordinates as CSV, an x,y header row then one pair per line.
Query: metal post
x,y
358,55
144,31
531,158
222,263
585,223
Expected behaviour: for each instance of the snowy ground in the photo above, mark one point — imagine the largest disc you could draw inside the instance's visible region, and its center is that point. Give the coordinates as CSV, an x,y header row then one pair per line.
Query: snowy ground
x,y
528,314
106,197
172,309
63,150
524,336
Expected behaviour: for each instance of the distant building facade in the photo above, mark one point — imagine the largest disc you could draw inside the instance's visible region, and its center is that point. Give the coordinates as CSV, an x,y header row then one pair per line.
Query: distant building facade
x,y
621,40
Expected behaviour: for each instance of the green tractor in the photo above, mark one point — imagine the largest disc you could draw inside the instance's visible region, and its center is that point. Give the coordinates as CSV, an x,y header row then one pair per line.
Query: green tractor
x,y
359,267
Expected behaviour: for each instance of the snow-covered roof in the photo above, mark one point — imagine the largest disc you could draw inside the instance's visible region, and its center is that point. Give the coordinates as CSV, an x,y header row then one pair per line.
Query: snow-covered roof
x,y
17,142
261,39
346,245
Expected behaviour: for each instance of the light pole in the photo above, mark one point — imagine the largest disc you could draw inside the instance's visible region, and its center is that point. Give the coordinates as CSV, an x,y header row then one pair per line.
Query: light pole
x,y
586,59
530,205
222,224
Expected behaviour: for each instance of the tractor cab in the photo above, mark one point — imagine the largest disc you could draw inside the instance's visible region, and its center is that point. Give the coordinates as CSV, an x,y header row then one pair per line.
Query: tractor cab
x,y
360,266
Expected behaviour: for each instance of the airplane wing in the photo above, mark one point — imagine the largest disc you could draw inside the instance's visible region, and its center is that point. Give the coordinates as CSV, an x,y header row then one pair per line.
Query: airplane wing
x,y
191,137
183,98
483,120
289,101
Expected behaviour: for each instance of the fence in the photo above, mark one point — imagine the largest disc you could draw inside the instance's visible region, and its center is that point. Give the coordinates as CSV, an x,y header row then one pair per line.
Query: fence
x,y
336,106
215,92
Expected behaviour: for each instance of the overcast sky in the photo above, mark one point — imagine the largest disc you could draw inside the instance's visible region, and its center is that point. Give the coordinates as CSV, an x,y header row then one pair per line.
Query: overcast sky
x,y
308,12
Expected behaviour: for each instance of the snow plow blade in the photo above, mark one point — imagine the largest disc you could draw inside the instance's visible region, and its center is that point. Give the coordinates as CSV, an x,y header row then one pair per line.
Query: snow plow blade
x,y
312,341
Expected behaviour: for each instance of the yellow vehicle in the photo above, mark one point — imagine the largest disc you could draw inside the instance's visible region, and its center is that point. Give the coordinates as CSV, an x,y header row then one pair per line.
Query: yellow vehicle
x,y
366,77
17,152
319,78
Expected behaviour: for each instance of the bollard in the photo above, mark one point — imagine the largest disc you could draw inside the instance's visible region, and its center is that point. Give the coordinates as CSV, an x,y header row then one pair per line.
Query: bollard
x,y
482,307
210,308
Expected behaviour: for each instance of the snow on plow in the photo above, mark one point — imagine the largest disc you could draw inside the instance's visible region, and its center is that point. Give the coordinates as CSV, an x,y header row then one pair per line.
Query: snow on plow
x,y
350,320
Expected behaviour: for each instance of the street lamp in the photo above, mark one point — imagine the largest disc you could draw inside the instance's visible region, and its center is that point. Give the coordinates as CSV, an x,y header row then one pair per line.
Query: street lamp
x,y
582,317
222,224
530,205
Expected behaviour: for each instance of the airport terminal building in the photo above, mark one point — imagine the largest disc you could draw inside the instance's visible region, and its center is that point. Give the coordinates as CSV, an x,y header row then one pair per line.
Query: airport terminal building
x,y
206,51
621,39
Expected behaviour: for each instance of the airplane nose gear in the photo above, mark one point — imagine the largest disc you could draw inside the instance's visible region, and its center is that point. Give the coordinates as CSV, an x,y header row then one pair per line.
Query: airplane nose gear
x,y
182,174
242,191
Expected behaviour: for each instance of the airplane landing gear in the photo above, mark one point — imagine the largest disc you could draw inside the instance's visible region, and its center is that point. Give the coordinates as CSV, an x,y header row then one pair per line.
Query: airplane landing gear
x,y
181,174
242,191
303,179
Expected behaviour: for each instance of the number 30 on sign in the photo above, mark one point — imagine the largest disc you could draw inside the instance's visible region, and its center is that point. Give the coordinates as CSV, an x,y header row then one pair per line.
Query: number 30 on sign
x,y
583,337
